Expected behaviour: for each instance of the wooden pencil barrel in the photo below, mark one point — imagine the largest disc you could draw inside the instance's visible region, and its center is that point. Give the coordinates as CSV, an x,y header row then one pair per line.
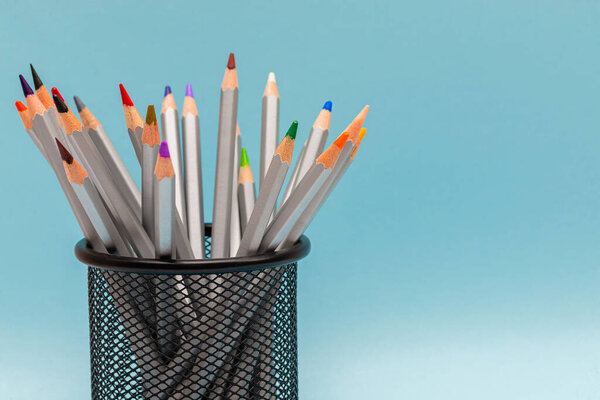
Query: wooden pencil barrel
x,y
234,324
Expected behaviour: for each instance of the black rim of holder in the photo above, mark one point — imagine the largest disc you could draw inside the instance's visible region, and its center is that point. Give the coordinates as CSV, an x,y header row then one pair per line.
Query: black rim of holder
x,y
205,266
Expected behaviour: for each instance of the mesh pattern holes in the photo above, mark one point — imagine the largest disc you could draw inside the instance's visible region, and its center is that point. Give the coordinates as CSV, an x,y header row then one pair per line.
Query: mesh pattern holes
x,y
204,336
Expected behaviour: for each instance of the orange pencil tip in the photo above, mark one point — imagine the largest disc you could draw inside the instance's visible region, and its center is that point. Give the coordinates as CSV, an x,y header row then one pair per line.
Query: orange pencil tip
x,y
341,140
20,106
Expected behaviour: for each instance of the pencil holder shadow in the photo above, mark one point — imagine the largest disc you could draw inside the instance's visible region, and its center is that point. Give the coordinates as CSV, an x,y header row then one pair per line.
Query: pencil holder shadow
x,y
193,329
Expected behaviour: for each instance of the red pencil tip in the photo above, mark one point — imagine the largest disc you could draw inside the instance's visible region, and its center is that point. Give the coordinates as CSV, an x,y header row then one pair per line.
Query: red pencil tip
x,y
57,93
125,97
20,106
231,62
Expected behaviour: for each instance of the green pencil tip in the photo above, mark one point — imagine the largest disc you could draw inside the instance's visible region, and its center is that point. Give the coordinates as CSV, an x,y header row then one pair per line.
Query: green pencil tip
x,y
244,159
292,131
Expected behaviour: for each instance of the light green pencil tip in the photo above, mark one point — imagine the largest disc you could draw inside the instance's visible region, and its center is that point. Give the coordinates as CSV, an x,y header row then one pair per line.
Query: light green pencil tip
x,y
244,159
292,131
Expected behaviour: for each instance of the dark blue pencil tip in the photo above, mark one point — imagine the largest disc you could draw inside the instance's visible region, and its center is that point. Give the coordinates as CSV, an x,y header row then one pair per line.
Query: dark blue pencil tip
x,y
167,90
327,105
26,88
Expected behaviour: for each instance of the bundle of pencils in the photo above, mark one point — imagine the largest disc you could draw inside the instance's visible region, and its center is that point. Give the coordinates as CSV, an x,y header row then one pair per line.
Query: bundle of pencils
x,y
165,219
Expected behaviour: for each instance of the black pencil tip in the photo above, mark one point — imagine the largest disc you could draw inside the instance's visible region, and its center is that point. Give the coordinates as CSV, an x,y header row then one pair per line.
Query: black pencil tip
x,y
61,107
37,82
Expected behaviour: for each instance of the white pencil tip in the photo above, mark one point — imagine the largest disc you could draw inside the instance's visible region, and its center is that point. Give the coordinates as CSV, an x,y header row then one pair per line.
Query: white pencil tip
x,y
271,77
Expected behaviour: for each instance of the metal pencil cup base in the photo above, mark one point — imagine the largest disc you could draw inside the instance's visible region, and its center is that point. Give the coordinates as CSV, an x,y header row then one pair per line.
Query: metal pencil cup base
x,y
206,329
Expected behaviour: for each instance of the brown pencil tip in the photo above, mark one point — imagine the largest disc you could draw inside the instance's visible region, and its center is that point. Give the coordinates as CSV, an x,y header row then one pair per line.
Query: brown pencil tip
x,y
231,61
150,115
64,153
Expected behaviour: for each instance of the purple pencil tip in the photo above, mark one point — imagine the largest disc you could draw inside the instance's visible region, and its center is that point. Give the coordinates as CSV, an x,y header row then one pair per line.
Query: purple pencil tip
x,y
164,150
167,90
26,88
188,91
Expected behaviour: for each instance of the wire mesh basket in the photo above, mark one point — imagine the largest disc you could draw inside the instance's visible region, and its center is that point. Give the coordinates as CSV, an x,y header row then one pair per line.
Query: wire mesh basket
x,y
193,329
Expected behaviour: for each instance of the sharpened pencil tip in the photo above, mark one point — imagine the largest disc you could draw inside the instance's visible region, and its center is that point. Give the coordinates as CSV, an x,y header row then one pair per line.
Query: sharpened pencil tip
x,y
20,106
292,130
25,86
188,91
64,153
341,140
150,115
37,82
164,150
125,96
271,77
231,61
55,92
362,133
61,107
327,105
167,90
78,103
244,158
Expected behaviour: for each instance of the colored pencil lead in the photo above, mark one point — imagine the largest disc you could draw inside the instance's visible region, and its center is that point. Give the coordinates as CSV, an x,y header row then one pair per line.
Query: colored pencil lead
x,y
167,90
64,153
164,150
55,92
61,107
231,61
37,82
20,106
25,86
327,105
125,96
244,162
188,91
150,115
292,130
78,103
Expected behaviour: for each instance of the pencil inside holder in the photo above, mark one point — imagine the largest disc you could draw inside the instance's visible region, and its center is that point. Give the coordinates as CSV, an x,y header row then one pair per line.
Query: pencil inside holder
x,y
201,329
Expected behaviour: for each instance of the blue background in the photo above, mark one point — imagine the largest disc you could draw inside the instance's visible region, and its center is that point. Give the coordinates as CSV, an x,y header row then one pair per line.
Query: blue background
x,y
457,259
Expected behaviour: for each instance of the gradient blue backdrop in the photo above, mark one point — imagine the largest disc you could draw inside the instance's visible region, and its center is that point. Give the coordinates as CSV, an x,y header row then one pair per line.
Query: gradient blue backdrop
x,y
459,257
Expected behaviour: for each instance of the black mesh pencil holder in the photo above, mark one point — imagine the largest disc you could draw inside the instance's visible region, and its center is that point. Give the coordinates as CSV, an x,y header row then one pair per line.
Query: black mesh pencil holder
x,y
206,329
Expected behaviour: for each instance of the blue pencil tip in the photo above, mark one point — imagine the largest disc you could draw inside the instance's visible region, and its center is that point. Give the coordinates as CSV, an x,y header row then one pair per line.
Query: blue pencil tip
x,y
327,105
167,90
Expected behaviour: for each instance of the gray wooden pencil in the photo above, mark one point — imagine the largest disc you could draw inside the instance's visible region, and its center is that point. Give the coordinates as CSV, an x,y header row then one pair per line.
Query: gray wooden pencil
x,y
193,173
224,169
269,129
126,219
134,121
26,119
169,120
90,199
235,234
300,197
317,138
294,176
164,215
317,202
246,190
267,195
314,145
150,146
109,154
172,297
